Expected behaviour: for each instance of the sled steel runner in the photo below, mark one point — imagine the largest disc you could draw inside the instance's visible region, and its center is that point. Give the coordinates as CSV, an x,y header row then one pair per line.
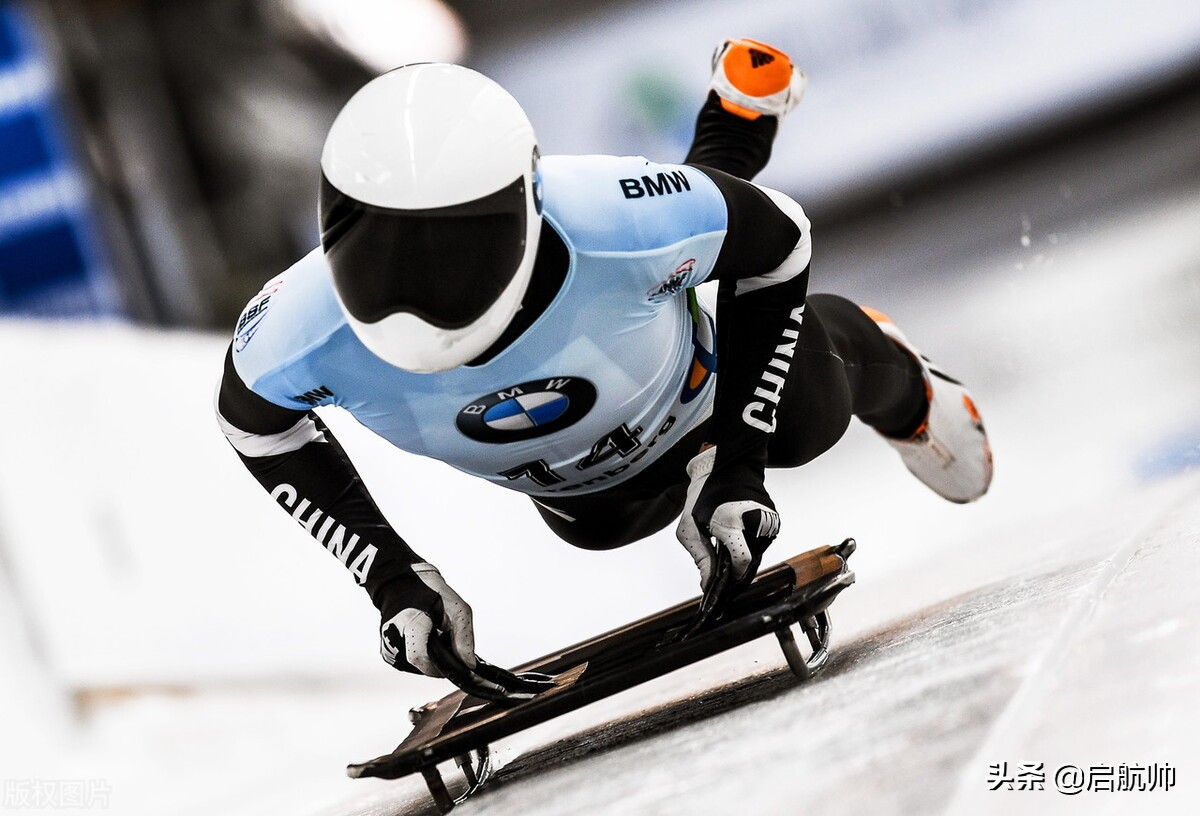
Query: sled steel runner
x,y
460,727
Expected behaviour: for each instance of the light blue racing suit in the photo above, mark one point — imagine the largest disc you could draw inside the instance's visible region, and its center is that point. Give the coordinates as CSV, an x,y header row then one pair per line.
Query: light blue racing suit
x,y
617,369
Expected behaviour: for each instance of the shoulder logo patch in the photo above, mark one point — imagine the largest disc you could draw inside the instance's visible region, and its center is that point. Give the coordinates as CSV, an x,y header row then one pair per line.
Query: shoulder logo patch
x,y
528,410
252,316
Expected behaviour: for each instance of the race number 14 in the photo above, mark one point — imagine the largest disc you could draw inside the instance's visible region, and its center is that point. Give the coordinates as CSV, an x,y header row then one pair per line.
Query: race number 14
x,y
620,442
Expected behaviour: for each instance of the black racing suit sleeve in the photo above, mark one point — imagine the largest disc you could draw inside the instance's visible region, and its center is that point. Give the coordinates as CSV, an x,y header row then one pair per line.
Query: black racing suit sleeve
x,y
751,326
318,485
734,145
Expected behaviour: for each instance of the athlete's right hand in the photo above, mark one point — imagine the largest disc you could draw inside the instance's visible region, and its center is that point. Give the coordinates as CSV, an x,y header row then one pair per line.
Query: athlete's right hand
x,y
427,629
733,529
726,532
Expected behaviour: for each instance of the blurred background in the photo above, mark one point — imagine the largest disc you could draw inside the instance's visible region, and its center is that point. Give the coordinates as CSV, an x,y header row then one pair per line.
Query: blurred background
x,y
1016,181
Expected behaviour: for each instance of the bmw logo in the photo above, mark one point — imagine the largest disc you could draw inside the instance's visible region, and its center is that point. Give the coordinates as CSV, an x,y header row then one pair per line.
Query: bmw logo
x,y
527,410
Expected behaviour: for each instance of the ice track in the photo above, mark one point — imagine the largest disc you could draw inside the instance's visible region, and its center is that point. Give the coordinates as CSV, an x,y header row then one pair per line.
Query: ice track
x,y
1082,652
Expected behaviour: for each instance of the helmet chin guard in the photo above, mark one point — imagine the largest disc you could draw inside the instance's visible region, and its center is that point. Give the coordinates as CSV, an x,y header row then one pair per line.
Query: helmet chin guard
x,y
430,214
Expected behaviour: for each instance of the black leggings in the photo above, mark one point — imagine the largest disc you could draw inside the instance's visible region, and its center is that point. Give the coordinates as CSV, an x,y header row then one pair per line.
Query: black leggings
x,y
844,366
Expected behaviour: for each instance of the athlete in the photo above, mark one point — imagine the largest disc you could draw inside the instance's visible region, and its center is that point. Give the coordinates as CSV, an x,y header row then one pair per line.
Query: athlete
x,y
533,322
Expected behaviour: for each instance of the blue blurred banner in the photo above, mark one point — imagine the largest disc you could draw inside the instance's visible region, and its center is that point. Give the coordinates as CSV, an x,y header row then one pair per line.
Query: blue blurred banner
x,y
51,259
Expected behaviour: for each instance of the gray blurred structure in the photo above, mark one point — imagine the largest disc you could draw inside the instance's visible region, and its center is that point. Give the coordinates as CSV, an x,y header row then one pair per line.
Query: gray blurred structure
x,y
203,121
204,124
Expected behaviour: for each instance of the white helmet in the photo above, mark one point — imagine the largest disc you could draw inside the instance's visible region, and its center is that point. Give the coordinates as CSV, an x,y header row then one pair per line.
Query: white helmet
x,y
430,213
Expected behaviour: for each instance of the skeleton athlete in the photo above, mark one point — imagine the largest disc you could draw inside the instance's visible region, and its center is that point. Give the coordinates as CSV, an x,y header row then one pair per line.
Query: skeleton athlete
x,y
532,321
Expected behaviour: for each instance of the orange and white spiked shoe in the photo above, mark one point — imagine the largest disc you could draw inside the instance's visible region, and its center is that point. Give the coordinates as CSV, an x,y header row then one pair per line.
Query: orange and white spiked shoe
x,y
754,79
949,451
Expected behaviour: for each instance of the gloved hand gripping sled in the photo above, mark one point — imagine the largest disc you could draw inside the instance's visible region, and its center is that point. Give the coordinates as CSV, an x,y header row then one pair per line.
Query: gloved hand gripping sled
x,y
460,726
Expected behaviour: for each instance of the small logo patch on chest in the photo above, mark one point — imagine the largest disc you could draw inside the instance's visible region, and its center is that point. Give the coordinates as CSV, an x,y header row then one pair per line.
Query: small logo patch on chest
x,y
674,282
527,410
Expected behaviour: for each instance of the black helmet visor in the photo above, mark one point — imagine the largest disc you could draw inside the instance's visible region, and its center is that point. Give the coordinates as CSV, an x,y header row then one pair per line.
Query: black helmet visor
x,y
446,266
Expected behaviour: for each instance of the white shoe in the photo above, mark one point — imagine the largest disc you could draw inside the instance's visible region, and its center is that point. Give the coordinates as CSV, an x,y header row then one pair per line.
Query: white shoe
x,y
950,451
754,79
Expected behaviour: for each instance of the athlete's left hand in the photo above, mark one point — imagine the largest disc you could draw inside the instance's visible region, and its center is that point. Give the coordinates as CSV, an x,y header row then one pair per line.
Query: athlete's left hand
x,y
736,532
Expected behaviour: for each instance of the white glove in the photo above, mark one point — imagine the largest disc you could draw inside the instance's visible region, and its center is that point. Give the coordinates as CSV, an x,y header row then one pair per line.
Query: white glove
x,y
418,606
727,526
427,628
